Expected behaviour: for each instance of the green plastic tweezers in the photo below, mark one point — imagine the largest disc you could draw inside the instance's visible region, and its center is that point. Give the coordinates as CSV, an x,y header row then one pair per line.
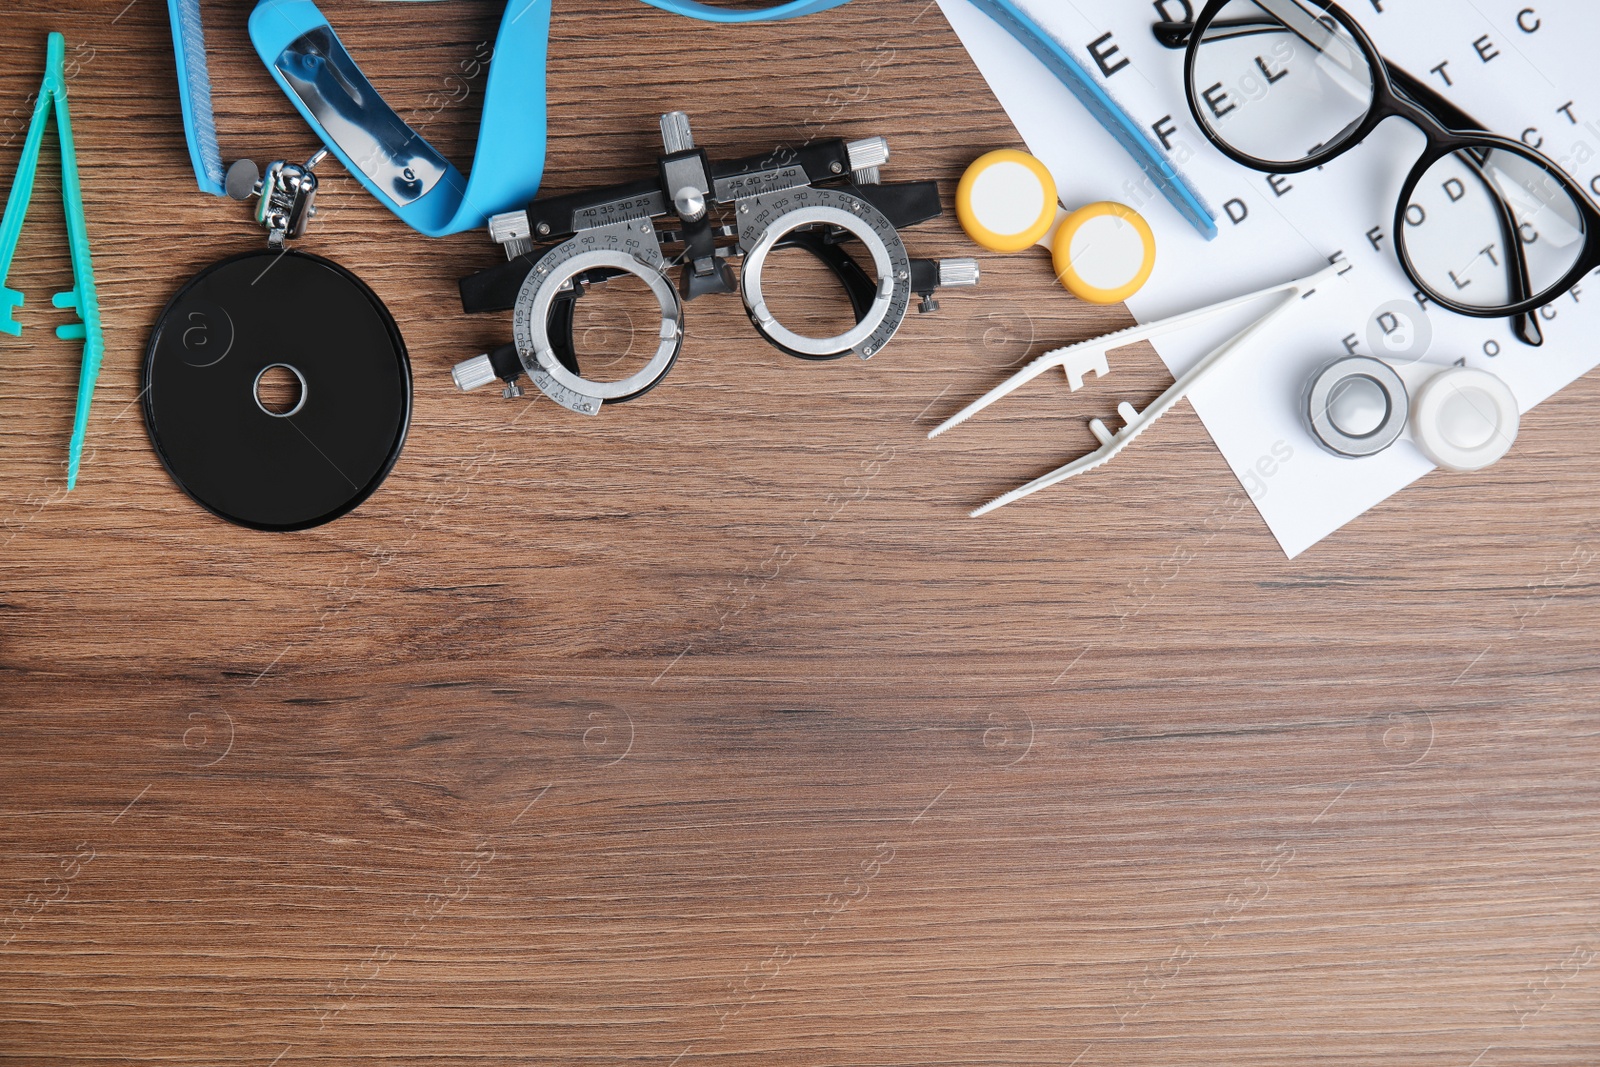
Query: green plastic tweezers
x,y
81,297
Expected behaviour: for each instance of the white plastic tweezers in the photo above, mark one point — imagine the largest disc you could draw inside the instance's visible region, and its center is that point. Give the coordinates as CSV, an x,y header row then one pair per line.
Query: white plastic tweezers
x,y
1077,360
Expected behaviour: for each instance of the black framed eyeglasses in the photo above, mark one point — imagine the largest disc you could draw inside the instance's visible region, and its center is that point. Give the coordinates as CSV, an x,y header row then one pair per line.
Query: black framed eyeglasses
x,y
1484,226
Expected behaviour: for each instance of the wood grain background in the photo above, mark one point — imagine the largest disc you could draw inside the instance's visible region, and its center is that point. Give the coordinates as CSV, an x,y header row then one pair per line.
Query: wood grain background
x,y
711,730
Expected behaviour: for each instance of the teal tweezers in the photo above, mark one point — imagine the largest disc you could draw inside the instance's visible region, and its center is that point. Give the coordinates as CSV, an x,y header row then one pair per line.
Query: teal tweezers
x,y
81,297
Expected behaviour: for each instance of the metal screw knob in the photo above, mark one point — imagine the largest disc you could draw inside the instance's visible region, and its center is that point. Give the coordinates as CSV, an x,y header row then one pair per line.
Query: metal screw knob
x,y
960,273
675,135
511,232
473,373
690,203
868,153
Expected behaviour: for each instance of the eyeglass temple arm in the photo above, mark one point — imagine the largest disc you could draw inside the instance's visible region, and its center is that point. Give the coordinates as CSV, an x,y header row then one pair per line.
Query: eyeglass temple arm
x,y
1175,34
1525,325
1425,97
1276,15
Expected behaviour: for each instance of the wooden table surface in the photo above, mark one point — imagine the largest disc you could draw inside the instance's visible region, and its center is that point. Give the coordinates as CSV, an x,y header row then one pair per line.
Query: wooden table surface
x,y
712,731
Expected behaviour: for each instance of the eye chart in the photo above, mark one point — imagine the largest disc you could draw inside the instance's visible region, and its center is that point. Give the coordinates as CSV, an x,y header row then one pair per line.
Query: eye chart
x,y
1525,69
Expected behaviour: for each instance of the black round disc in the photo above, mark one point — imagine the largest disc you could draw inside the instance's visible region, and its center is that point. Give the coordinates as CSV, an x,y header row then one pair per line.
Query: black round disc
x,y
231,322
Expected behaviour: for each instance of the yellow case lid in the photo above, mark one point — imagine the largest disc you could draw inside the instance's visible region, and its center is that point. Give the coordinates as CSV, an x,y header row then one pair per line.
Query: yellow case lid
x,y
1006,200
1104,252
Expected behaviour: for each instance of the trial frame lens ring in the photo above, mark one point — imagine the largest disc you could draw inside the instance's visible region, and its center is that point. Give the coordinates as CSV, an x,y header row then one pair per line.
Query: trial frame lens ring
x,y
817,347
541,355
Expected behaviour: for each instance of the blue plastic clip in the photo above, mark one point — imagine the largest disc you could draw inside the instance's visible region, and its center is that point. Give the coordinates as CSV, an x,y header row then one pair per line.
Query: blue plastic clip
x,y
81,298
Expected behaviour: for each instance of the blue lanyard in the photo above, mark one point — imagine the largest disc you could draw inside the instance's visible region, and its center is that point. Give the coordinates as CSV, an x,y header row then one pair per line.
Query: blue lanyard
x,y
396,164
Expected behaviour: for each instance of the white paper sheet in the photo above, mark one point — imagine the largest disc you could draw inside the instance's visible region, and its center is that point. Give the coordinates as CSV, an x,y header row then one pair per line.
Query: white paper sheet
x,y
1540,81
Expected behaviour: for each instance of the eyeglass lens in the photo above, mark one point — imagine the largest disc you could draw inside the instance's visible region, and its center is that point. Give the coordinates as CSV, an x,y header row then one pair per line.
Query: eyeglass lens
x,y
1277,84
1467,217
